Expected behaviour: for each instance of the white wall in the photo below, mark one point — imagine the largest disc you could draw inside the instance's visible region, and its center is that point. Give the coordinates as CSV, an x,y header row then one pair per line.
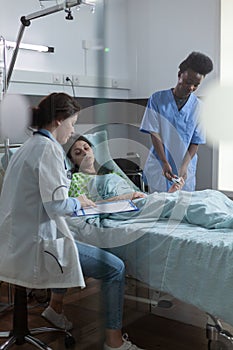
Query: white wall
x,y
162,33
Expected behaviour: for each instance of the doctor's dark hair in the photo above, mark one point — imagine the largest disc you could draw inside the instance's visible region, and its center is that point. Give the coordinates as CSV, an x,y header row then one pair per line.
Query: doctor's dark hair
x,y
56,106
197,62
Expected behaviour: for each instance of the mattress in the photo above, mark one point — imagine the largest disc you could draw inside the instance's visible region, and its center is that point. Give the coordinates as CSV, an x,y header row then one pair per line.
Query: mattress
x,y
192,263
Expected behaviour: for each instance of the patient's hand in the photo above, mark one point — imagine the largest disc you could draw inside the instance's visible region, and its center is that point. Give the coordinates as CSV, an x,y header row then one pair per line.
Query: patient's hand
x,y
136,195
177,186
85,202
131,195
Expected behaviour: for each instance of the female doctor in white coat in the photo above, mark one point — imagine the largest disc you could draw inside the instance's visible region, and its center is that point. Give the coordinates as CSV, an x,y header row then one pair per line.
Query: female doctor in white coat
x,y
37,249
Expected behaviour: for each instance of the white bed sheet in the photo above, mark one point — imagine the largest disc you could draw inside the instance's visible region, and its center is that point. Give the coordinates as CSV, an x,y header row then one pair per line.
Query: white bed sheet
x,y
192,263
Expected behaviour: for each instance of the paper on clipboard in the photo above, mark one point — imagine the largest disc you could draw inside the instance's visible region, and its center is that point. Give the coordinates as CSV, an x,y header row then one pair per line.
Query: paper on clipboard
x,y
108,208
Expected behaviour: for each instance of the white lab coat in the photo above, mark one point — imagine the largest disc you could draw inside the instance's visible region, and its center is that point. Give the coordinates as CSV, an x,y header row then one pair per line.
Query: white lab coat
x,y
37,249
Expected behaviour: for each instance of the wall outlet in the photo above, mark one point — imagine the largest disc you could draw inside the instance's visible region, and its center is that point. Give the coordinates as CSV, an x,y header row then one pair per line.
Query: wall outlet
x,y
114,83
57,79
75,80
67,79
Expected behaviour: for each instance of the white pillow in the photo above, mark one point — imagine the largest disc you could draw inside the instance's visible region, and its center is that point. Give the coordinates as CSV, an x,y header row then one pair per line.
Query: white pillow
x,y
101,151
102,154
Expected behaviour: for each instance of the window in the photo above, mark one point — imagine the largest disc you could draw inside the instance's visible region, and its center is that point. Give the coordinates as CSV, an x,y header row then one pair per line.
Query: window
x,y
224,180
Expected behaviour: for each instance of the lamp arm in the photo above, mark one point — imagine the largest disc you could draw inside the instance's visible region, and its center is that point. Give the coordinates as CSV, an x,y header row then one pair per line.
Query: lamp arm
x,y
53,9
14,56
26,21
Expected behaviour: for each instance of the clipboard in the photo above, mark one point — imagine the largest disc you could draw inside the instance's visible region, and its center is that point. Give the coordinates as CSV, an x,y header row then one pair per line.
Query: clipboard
x,y
120,206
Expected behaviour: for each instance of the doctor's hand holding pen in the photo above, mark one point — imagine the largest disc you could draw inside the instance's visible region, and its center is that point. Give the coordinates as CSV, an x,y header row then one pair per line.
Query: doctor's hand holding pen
x,y
85,202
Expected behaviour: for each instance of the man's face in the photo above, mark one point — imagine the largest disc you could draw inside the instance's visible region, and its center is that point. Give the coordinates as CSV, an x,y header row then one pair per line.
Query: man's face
x,y
188,82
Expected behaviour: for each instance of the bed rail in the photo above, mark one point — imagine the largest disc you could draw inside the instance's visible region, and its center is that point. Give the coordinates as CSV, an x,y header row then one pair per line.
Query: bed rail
x,y
6,146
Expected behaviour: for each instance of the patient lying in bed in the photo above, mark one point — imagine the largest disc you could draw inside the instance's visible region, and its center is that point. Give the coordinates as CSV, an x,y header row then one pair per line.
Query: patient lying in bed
x,y
208,208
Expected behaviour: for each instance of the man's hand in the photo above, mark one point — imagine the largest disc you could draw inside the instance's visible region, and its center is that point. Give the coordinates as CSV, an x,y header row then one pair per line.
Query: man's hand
x,y
183,172
167,171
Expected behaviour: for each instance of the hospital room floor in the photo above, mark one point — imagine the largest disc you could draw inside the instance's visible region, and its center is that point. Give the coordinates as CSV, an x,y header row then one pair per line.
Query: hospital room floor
x,y
83,308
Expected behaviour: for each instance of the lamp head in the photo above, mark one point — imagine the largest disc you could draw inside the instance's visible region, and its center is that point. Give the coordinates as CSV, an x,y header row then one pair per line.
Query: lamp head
x,y
69,15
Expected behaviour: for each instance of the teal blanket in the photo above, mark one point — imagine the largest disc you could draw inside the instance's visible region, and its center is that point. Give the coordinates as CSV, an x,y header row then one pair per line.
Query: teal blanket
x,y
180,243
208,208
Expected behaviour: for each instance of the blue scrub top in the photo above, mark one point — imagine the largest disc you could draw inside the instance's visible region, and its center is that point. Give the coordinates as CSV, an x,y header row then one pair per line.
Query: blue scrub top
x,y
178,129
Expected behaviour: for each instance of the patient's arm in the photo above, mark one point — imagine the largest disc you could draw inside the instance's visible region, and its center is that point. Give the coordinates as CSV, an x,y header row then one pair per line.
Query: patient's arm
x,y
177,186
131,195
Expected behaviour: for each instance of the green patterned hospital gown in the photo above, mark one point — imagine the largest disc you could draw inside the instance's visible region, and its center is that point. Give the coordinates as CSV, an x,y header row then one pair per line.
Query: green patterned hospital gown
x,y
79,184
98,187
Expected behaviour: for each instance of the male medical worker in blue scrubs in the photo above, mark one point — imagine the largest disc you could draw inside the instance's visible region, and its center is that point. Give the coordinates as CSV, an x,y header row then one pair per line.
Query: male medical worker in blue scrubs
x,y
171,118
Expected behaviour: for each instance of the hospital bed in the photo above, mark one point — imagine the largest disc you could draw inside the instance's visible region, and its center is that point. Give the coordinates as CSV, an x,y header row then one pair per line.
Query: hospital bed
x,y
189,262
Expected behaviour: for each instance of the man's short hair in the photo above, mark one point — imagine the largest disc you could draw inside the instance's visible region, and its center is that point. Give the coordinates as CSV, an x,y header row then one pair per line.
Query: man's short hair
x,y
198,62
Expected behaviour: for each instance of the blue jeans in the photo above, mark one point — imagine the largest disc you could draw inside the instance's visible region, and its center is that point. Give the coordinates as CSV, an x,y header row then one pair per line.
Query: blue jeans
x,y
100,264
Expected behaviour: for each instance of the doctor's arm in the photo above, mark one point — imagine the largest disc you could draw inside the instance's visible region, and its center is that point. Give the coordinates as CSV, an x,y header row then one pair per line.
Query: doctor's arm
x,y
192,150
158,145
64,207
67,206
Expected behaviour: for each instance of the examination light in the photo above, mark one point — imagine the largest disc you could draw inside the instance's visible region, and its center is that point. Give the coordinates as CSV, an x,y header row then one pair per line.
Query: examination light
x,y
33,47
26,21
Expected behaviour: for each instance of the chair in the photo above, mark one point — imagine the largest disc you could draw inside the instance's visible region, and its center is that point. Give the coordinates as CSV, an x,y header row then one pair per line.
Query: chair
x,y
20,333
131,168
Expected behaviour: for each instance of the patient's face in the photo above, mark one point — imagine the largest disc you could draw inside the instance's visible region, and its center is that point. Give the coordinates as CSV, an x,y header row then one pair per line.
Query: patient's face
x,y
82,155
